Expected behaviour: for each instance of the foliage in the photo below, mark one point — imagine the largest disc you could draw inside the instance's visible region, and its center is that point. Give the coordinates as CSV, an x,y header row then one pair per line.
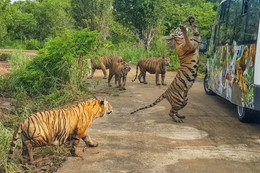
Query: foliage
x,y
145,17
33,44
119,34
93,14
201,10
5,10
63,62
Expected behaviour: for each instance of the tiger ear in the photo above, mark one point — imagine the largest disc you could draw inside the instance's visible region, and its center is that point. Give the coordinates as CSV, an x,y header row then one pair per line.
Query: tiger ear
x,y
102,102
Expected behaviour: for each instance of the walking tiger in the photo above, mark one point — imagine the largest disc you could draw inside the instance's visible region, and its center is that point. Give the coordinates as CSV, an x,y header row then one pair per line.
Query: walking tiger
x,y
59,126
103,64
120,70
153,66
187,48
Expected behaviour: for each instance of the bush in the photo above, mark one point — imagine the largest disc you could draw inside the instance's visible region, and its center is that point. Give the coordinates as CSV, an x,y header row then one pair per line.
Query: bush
x,y
33,44
63,61
5,138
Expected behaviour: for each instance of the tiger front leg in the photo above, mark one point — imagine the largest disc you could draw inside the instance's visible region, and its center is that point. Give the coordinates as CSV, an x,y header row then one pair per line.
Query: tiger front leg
x,y
117,81
163,77
157,79
123,83
89,142
109,79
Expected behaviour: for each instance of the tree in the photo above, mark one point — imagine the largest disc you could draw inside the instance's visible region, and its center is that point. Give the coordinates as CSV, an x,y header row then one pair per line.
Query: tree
x,y
145,17
5,13
93,14
50,15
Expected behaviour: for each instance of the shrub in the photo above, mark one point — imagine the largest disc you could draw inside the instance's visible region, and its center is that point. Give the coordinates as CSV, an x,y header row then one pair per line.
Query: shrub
x,y
33,44
63,61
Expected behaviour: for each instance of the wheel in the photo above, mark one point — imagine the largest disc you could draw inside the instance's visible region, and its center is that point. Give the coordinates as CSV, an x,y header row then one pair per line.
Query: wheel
x,y
206,85
243,114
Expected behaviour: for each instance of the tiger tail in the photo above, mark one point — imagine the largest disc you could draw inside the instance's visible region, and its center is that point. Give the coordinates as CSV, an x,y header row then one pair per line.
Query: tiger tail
x,y
136,73
151,105
16,136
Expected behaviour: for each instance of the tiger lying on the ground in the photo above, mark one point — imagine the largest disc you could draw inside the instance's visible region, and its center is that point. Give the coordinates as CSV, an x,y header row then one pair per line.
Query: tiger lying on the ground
x,y
59,126
153,66
103,64
187,48
120,70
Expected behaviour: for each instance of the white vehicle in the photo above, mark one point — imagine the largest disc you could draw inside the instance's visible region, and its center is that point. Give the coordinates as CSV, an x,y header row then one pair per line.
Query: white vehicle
x,y
233,66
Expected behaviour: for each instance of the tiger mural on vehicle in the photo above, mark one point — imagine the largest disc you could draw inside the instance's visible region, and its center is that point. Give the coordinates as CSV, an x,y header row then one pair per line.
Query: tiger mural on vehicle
x,y
120,70
187,48
103,64
153,66
59,126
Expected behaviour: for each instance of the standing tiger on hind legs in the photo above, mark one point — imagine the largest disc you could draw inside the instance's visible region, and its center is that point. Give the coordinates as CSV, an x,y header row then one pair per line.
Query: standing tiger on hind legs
x,y
187,48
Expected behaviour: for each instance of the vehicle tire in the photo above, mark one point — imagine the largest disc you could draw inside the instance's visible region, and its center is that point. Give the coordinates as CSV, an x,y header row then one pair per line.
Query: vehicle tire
x,y
206,85
243,114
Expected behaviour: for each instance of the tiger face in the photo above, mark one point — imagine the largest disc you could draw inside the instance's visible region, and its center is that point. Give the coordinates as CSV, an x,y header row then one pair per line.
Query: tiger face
x,y
126,68
105,108
166,61
178,34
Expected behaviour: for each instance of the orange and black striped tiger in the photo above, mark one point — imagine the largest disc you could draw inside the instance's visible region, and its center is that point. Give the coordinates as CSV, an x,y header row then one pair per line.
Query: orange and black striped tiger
x,y
153,66
187,48
59,126
120,70
103,64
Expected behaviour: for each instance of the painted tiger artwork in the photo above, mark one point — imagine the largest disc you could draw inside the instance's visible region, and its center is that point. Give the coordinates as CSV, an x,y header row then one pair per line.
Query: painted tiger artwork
x,y
103,64
59,126
152,66
187,48
120,70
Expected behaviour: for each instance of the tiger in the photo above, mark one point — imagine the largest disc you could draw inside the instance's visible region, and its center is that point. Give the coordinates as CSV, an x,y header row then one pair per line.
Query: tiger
x,y
103,64
120,70
59,126
187,48
240,67
153,66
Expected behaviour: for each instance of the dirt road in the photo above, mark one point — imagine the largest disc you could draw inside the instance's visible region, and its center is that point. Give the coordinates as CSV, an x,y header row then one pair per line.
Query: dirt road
x,y
211,139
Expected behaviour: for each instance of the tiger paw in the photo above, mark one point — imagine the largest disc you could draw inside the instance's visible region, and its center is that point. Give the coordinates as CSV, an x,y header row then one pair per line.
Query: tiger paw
x,y
180,116
93,144
191,19
164,84
175,118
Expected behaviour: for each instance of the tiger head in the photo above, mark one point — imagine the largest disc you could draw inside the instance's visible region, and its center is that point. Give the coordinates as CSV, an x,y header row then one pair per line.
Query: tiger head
x,y
103,108
166,61
126,68
178,34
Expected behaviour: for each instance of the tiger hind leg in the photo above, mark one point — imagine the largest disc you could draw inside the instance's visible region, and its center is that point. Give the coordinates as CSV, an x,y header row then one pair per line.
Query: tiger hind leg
x,y
74,150
175,117
28,150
